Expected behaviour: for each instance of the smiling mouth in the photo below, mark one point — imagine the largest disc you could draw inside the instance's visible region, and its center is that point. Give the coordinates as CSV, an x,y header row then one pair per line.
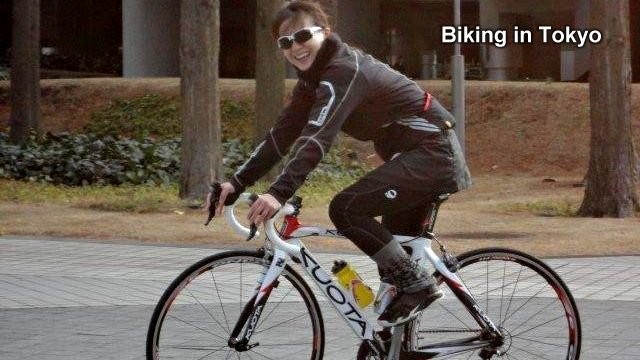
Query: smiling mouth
x,y
302,57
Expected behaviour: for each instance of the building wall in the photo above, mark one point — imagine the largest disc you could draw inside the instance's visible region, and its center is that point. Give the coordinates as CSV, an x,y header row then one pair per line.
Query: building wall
x,y
88,33
418,25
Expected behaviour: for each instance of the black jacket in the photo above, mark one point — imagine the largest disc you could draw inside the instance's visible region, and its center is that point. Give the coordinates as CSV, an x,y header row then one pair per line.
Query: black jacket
x,y
345,89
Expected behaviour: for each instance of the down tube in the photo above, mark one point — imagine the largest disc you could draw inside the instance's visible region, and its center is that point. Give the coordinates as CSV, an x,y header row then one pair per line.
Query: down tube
x,y
343,302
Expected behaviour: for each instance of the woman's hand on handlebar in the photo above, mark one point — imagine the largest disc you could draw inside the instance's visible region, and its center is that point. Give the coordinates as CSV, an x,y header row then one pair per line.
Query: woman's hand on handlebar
x,y
226,189
263,208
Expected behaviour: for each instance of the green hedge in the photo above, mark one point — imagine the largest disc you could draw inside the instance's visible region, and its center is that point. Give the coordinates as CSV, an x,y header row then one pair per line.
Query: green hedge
x,y
83,159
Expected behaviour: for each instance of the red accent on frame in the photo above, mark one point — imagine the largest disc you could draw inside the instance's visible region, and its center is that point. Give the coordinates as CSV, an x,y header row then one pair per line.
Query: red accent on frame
x,y
291,224
427,101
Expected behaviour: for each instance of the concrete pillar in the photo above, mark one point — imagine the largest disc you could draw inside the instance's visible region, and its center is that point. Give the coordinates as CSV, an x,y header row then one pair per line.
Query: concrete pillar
x,y
499,63
150,38
583,55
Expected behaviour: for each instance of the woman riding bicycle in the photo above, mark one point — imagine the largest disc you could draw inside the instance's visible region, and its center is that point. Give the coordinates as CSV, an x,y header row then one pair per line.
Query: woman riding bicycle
x,y
343,88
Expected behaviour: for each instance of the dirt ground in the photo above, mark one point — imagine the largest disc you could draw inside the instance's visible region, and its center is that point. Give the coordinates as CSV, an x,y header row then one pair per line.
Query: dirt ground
x,y
481,216
518,135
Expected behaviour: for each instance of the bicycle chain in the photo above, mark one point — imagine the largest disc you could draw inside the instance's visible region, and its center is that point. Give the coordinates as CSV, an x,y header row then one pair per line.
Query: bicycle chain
x,y
449,331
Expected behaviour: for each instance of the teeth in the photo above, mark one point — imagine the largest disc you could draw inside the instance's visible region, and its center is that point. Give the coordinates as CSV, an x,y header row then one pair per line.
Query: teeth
x,y
302,56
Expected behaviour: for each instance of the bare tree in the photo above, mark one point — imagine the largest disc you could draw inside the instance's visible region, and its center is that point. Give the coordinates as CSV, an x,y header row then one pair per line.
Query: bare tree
x,y
25,70
200,107
270,74
610,188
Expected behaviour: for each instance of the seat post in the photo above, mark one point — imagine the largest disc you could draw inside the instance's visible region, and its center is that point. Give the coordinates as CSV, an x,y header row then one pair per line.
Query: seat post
x,y
432,214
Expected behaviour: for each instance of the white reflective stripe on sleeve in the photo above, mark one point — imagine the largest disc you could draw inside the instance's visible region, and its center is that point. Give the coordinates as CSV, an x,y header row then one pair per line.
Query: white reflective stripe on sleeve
x,y
316,141
235,176
253,154
275,144
325,110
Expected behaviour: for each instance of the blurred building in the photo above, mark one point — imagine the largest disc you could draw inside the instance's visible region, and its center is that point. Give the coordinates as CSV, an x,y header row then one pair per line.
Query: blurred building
x,y
140,38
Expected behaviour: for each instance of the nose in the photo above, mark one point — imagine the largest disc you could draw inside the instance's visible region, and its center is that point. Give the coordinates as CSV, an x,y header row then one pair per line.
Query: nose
x,y
295,46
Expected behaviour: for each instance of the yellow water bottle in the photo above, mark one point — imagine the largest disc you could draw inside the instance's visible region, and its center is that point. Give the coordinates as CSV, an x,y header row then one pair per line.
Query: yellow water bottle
x,y
350,280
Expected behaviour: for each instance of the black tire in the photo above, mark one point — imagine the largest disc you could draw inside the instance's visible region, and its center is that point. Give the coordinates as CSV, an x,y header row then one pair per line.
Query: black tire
x,y
190,321
534,309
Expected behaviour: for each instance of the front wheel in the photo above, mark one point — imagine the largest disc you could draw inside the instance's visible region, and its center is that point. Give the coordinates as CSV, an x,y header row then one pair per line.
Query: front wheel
x,y
197,313
524,298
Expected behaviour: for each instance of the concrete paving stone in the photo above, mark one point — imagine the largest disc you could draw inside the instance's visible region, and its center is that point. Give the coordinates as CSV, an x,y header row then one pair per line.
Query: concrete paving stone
x,y
41,279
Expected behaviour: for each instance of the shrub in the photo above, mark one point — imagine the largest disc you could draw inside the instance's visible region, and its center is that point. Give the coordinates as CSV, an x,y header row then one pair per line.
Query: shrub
x,y
89,159
81,159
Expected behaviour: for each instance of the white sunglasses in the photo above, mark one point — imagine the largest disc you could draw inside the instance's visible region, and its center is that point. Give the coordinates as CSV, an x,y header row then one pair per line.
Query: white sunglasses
x,y
300,36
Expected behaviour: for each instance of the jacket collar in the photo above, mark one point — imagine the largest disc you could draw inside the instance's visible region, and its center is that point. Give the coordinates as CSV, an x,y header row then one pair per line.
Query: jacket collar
x,y
326,52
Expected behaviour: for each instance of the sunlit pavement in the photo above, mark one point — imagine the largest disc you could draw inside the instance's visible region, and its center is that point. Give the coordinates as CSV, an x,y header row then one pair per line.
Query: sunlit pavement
x,y
64,299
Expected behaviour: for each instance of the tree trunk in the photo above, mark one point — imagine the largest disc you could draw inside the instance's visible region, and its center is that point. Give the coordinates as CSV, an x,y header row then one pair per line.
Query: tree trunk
x,y
25,70
200,106
270,74
610,188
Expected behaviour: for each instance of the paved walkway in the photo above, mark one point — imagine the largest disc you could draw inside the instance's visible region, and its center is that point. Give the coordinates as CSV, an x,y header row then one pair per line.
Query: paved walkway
x,y
84,300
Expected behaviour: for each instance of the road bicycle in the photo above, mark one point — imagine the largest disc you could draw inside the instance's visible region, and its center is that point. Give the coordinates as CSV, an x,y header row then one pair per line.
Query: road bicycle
x,y
498,303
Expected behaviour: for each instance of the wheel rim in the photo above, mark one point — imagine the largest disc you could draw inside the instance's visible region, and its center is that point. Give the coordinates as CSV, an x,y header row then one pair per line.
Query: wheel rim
x,y
200,313
521,296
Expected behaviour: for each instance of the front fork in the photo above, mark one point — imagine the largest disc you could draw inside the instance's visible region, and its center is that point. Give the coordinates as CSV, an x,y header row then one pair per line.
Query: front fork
x,y
252,311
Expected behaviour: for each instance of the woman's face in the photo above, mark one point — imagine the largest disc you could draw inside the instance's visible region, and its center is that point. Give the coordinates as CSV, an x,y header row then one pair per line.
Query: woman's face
x,y
302,55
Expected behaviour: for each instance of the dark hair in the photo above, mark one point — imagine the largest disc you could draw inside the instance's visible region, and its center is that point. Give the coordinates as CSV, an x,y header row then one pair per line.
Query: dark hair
x,y
296,10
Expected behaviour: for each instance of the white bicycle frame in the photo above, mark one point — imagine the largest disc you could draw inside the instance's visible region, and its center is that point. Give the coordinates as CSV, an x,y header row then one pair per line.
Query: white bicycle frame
x,y
284,250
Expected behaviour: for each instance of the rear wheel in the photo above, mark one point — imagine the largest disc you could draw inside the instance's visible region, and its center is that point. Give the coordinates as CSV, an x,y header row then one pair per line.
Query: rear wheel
x,y
524,297
195,316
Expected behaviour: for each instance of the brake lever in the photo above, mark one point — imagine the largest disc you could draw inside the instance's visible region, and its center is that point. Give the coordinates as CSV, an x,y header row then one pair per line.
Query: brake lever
x,y
216,189
253,228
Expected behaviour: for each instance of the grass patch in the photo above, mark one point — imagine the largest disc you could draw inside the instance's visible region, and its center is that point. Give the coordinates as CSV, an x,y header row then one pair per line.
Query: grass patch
x,y
146,198
126,198
318,190
552,208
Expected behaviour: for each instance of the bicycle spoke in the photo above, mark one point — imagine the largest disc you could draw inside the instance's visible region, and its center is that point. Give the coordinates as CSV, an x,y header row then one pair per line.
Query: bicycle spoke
x,y
539,342
509,356
257,353
215,284
228,354
537,326
286,344
486,311
207,311
534,315
470,355
454,315
512,293
211,353
278,324
240,300
526,302
504,272
264,318
197,327
529,352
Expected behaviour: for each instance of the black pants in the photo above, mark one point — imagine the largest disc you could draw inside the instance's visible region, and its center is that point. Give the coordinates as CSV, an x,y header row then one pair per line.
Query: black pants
x,y
400,190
